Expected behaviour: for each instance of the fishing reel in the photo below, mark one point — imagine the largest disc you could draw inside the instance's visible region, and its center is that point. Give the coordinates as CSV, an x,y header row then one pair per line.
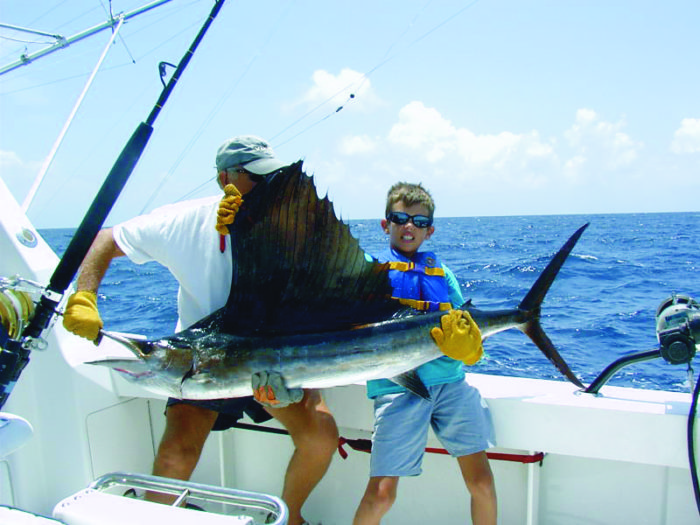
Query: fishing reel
x,y
17,309
678,328
678,333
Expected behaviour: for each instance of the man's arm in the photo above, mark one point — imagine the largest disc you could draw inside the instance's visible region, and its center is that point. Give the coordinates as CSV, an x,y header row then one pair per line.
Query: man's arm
x,y
97,261
81,316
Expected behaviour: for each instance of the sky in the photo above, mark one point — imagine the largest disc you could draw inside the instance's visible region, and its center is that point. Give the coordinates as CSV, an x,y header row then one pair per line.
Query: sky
x,y
498,107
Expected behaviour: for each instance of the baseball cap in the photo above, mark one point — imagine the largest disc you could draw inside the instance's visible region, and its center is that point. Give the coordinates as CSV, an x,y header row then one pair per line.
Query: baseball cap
x,y
250,152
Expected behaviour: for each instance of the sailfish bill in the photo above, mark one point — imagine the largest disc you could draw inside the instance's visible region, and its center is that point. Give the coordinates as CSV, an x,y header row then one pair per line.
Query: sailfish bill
x,y
305,302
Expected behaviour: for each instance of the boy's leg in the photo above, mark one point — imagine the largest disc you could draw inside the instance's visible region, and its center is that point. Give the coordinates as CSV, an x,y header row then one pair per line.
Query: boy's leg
x,y
398,444
315,436
377,500
477,474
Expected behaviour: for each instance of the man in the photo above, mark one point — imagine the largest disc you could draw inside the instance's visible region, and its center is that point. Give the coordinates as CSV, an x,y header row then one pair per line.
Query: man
x,y
189,239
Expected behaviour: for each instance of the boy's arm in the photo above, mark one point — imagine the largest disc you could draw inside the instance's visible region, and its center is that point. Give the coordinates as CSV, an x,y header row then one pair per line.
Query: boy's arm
x,y
455,292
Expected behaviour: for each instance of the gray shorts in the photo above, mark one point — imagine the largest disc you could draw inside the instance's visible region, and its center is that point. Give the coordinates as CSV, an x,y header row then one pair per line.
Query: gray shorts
x,y
456,412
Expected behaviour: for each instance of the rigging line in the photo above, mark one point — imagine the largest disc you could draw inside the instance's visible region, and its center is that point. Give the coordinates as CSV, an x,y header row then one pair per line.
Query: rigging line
x,y
366,75
147,27
344,88
408,28
210,116
195,190
135,100
14,52
55,195
110,15
58,61
23,41
362,82
47,13
106,68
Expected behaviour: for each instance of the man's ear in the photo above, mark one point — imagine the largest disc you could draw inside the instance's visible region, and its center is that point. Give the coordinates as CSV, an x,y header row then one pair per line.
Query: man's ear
x,y
223,178
385,225
431,230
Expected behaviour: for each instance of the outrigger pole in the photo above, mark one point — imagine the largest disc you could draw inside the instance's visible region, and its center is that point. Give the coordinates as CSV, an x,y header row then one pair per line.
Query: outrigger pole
x,y
15,354
62,41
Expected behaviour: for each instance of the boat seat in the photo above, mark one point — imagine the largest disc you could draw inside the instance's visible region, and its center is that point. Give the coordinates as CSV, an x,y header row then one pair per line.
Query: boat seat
x,y
92,507
105,502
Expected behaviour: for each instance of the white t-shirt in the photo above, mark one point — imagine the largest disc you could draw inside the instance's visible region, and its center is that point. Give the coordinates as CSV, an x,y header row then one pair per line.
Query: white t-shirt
x,y
183,238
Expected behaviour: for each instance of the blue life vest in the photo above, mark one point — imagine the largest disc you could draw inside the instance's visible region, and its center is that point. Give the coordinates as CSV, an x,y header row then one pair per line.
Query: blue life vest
x,y
418,282
421,283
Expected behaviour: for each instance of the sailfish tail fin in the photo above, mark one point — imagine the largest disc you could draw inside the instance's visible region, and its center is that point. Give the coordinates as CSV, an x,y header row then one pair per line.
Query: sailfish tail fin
x,y
532,303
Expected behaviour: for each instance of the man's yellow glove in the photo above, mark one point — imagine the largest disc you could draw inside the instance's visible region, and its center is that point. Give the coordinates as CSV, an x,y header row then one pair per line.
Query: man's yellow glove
x,y
81,316
459,337
228,207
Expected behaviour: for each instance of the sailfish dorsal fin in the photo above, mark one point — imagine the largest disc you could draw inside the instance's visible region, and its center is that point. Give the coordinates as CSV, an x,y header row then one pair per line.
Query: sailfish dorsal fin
x,y
296,267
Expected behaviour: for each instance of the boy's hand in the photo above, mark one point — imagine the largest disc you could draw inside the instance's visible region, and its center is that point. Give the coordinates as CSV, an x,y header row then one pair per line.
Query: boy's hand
x,y
459,337
81,316
270,390
228,207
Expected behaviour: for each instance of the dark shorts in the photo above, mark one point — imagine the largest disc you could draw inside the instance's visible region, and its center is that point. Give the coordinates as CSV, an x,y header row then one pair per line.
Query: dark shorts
x,y
230,410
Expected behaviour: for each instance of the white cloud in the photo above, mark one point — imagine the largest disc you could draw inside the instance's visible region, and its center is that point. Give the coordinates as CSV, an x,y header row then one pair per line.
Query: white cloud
x,y
348,86
686,139
357,145
592,138
9,159
593,166
434,138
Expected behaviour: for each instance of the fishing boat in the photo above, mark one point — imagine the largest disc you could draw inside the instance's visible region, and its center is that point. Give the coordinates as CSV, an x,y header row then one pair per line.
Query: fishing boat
x,y
79,441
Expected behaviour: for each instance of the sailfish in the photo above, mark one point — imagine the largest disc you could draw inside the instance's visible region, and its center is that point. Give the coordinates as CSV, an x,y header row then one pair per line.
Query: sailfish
x,y
307,303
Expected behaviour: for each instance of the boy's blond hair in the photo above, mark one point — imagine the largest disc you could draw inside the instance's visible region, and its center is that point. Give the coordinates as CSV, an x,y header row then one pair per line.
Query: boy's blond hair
x,y
409,194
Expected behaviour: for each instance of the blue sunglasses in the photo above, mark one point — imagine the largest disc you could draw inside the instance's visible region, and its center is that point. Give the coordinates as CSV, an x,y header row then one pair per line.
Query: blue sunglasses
x,y
401,218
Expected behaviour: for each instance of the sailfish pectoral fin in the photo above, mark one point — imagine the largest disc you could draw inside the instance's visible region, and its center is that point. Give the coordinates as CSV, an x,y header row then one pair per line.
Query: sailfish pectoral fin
x,y
413,383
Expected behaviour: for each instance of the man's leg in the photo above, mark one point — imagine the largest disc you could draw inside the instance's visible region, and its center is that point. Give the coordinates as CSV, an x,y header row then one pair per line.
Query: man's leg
x,y
315,436
186,430
477,474
378,499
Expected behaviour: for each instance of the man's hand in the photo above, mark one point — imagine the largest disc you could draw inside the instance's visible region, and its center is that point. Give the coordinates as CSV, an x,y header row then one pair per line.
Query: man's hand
x,y
81,316
270,390
228,207
459,337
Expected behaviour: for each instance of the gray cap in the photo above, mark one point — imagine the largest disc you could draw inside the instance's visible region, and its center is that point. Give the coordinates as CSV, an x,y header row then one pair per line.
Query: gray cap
x,y
252,153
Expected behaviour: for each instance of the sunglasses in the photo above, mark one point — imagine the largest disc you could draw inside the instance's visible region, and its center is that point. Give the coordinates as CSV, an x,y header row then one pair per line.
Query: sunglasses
x,y
253,176
400,218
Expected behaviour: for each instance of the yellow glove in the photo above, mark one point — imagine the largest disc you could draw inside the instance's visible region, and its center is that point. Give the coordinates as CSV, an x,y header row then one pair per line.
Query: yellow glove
x,y
228,207
459,337
81,316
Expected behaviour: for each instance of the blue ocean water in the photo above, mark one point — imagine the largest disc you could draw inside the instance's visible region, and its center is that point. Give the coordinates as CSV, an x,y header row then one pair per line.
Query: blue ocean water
x,y
601,307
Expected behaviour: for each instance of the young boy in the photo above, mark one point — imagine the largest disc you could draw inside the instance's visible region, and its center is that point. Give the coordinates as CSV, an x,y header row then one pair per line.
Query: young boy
x,y
456,411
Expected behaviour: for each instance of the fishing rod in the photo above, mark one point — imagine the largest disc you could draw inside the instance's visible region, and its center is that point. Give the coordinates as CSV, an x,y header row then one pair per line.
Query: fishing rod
x,y
14,353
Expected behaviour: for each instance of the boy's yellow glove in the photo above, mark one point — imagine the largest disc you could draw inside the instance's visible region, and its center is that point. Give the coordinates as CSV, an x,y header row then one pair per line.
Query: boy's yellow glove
x,y
81,316
459,337
228,207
